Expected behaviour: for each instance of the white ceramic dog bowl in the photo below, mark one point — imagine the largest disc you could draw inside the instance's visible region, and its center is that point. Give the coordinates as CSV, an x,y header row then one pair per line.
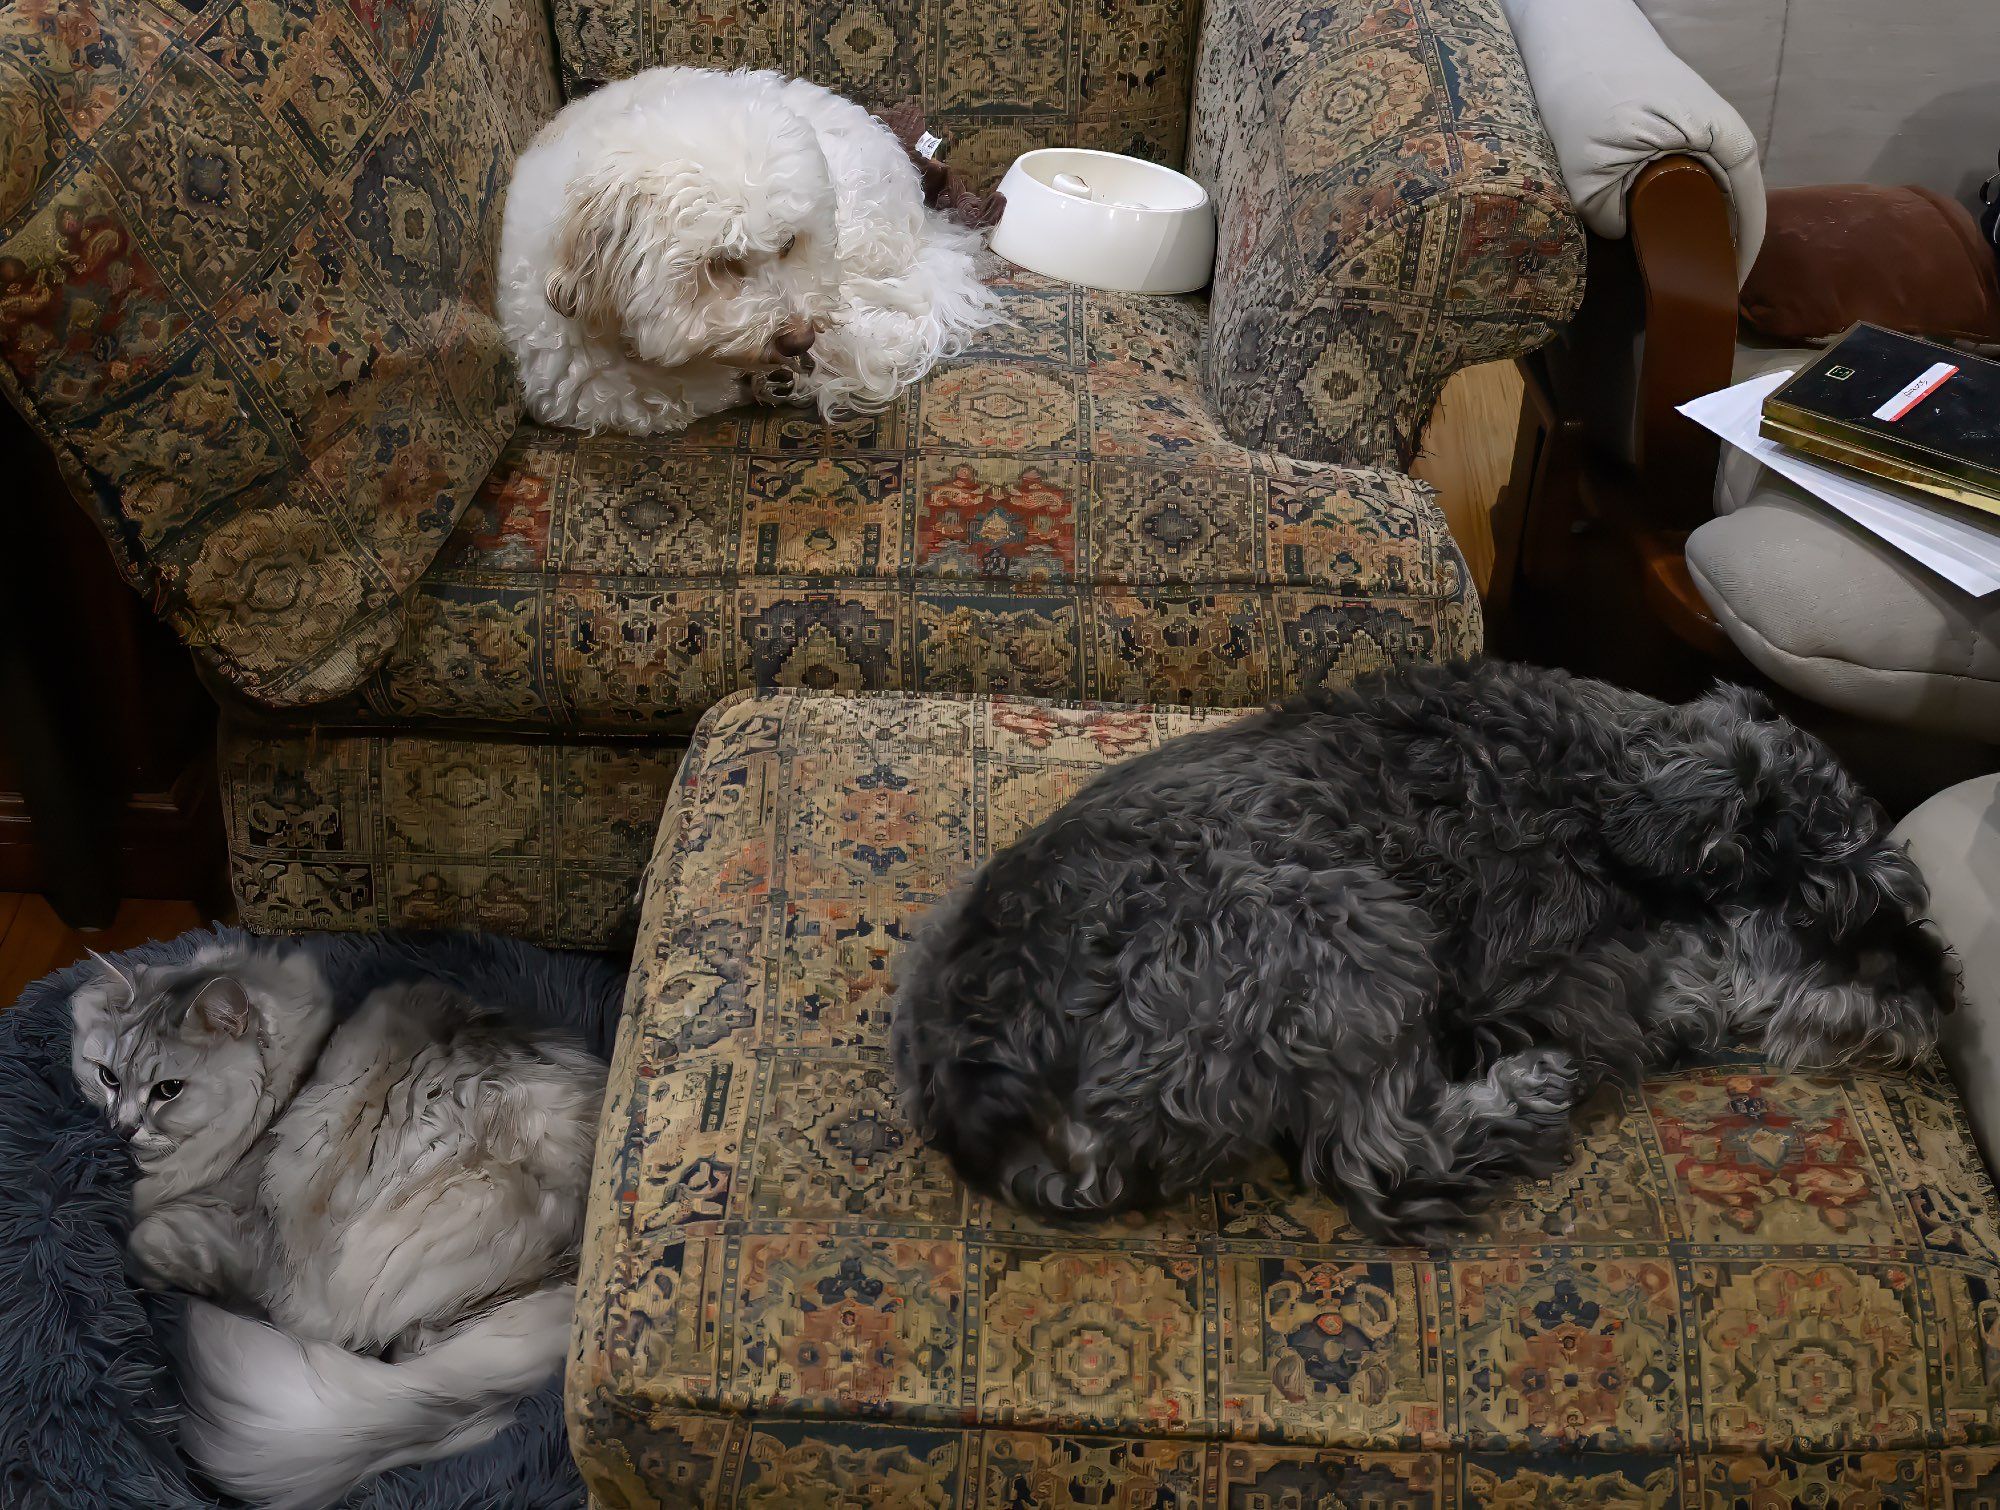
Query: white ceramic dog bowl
x,y
1106,221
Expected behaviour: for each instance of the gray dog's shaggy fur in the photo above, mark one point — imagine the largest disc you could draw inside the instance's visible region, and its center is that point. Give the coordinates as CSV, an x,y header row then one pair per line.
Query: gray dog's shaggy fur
x,y
1399,933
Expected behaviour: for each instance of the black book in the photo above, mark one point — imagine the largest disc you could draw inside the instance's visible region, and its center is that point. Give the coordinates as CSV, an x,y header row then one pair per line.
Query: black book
x,y
1899,407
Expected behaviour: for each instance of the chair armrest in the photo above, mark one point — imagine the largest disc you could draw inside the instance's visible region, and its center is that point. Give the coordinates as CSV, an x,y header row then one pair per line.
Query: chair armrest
x,y
1657,328
1617,99
1687,277
1390,211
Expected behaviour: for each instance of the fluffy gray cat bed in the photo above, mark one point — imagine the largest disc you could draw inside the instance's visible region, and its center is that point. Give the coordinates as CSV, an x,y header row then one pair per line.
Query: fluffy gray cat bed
x,y
89,1412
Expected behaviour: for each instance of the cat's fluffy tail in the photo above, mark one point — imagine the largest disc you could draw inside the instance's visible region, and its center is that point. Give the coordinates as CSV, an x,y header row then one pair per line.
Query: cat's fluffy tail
x,y
286,1422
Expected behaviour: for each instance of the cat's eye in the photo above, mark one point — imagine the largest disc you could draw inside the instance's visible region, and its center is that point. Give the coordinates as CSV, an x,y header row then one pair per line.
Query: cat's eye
x,y
791,243
727,267
166,1090
110,1080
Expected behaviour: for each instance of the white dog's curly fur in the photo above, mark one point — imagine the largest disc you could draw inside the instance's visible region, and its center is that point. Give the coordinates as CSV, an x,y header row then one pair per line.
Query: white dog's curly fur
x,y
684,240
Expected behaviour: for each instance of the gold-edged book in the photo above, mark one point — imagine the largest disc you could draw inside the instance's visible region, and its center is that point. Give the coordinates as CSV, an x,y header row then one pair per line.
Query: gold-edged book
x,y
1899,407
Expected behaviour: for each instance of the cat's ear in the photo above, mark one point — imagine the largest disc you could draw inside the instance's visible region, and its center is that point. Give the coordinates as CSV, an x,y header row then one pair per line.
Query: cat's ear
x,y
116,974
108,993
220,1009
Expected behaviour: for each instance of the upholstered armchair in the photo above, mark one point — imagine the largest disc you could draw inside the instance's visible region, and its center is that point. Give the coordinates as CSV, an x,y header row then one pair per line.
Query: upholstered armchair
x,y
247,260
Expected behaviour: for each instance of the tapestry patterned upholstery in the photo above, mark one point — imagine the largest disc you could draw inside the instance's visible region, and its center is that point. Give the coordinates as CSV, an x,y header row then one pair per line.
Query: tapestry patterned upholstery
x,y
1391,211
541,840
1000,79
1748,1288
1056,512
245,262
246,252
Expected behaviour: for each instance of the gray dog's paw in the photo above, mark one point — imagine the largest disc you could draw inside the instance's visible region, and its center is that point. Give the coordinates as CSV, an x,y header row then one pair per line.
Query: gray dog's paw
x,y
1547,1082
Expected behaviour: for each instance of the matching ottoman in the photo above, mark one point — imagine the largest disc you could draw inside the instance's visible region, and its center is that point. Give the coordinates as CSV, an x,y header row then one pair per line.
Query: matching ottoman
x,y
1749,1288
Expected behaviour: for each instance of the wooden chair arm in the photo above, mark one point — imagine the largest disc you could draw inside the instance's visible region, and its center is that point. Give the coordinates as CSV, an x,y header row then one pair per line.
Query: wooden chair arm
x,y
1685,254
1669,287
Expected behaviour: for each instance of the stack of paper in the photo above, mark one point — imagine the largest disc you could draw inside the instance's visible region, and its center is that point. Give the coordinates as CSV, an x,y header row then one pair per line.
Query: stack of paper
x,y
1958,546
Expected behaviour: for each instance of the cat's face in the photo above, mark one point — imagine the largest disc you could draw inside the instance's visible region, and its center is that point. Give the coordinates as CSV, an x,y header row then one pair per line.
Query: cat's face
x,y
171,1056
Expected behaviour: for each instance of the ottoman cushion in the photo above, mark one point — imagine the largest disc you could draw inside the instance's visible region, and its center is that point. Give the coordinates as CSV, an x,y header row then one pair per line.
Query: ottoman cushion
x,y
1748,1287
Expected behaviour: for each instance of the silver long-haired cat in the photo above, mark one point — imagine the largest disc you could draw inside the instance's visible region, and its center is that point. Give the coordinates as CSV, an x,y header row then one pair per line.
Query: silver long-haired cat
x,y
400,1195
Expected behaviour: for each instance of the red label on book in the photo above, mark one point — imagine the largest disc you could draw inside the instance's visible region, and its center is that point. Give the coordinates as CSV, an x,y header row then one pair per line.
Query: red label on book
x,y
1914,392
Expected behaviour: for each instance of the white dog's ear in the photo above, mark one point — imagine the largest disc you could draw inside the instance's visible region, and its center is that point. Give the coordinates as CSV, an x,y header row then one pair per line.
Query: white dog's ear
x,y
600,211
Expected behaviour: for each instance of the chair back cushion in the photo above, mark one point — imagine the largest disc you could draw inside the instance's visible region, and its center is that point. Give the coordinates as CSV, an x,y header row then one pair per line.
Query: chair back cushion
x,y
246,267
1852,91
1002,78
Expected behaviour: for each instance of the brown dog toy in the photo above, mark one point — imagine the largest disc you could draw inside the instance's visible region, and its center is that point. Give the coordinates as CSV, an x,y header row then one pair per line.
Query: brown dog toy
x,y
945,188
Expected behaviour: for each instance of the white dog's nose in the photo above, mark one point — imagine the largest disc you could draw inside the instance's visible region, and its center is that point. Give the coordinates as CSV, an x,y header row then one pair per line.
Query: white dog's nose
x,y
795,339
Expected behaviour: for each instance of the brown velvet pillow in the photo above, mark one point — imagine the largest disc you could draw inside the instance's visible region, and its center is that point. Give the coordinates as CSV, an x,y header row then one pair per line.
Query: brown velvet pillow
x,y
1903,258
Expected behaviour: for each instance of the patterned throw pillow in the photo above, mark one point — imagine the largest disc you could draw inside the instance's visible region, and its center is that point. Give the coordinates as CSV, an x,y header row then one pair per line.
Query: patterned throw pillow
x,y
246,256
1002,78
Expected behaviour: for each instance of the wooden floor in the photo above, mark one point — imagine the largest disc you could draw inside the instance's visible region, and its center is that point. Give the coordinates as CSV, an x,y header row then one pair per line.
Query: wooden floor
x,y
33,940
1466,457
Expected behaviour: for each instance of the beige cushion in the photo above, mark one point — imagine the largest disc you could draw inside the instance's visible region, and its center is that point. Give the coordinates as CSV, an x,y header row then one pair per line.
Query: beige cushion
x,y
1754,358
1852,91
1615,98
1824,609
1955,838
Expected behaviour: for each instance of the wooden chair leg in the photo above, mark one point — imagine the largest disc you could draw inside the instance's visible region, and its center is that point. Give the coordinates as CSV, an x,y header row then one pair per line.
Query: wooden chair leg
x,y
68,810
107,739
1535,514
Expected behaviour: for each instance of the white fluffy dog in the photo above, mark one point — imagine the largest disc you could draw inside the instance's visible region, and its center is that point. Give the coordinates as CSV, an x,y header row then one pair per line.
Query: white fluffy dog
x,y
684,240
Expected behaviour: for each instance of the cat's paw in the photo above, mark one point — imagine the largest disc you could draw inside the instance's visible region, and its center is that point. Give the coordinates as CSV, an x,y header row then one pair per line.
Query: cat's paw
x,y
153,1256
176,1248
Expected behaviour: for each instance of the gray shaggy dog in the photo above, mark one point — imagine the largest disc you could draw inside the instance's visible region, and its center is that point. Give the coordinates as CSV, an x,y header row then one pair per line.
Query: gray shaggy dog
x,y
1398,934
